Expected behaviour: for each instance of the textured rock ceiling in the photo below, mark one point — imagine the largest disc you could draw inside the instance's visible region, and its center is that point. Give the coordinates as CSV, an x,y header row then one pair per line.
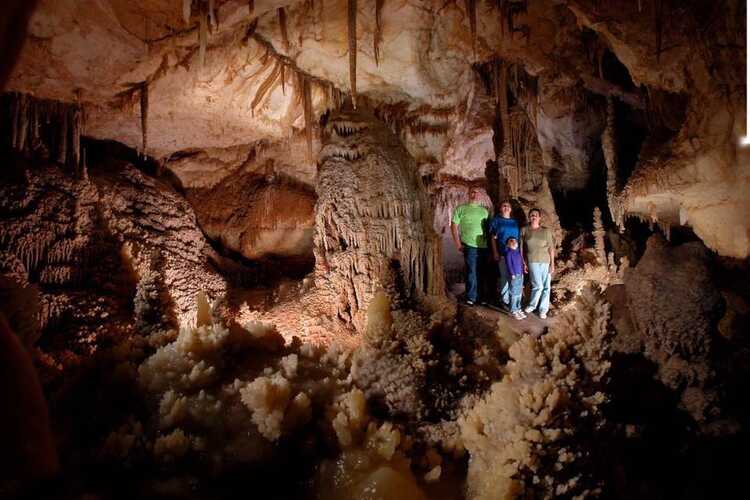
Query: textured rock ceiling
x,y
102,52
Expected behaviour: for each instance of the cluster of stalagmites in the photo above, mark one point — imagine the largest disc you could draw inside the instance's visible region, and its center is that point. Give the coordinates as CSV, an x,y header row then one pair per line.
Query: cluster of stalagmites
x,y
240,395
532,431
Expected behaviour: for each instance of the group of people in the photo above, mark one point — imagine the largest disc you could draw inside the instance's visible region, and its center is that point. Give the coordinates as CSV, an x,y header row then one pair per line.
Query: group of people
x,y
516,251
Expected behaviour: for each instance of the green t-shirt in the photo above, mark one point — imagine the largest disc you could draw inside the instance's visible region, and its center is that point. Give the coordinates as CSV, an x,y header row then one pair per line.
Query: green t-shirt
x,y
471,219
538,242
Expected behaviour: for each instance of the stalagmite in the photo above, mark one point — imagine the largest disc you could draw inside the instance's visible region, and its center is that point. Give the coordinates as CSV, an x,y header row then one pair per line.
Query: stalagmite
x,y
251,7
144,117
283,28
352,33
373,218
378,34
599,232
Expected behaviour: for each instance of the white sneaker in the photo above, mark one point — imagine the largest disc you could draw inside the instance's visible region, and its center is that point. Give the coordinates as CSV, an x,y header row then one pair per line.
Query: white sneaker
x,y
542,315
528,309
517,315
523,314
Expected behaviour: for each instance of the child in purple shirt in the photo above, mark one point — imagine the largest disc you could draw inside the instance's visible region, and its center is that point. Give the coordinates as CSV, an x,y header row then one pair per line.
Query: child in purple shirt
x,y
514,263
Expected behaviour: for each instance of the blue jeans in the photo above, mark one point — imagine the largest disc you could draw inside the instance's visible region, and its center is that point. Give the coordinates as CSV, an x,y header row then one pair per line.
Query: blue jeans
x,y
516,292
474,259
540,286
504,286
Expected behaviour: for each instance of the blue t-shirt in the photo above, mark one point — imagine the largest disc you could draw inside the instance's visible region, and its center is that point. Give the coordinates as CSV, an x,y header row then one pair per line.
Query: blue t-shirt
x,y
501,229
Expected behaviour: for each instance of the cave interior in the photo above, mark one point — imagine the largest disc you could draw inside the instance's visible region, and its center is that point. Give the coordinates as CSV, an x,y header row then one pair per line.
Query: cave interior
x,y
227,268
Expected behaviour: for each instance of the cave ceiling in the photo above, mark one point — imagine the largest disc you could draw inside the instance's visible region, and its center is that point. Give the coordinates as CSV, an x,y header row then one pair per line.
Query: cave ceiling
x,y
264,60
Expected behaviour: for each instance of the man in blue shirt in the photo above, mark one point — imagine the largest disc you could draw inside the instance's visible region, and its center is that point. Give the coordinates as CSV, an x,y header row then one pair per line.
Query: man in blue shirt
x,y
502,227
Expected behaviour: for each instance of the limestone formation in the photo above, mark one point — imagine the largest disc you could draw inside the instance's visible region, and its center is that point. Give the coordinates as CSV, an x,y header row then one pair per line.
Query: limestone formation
x,y
373,219
676,315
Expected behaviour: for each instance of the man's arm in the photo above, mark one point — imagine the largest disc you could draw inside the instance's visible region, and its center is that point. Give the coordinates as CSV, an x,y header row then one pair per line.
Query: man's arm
x,y
493,242
456,238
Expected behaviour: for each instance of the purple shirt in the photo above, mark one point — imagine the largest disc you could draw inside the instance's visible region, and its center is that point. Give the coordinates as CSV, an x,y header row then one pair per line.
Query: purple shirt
x,y
513,261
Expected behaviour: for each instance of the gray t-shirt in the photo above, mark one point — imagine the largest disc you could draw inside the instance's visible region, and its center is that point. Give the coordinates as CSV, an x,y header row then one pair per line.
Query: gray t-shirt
x,y
538,243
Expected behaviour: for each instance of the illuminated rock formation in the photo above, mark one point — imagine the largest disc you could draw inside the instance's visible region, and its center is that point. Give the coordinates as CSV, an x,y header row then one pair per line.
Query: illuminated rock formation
x,y
373,219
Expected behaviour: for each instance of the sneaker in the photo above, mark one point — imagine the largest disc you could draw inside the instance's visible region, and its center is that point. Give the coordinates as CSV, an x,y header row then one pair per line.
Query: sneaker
x,y
523,314
528,309
469,302
517,315
542,315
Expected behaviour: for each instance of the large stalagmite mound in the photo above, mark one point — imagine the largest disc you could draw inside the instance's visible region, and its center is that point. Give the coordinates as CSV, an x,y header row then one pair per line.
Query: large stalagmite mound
x,y
373,218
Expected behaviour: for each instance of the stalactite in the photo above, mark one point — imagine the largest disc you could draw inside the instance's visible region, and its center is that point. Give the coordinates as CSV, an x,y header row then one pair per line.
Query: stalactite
x,y
659,25
202,38
378,34
283,28
213,24
76,123
186,8
609,147
309,120
251,7
282,75
23,122
144,118
47,130
352,31
471,13
62,154
503,99
266,86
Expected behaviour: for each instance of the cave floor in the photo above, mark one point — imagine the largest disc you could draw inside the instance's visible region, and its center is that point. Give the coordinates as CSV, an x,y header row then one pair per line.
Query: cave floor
x,y
492,322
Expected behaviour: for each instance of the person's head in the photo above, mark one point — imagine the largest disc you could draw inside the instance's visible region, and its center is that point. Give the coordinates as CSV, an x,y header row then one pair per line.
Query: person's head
x,y
512,243
474,194
505,208
535,217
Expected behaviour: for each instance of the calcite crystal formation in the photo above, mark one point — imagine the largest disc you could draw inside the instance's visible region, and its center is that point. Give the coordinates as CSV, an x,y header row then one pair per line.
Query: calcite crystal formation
x,y
373,218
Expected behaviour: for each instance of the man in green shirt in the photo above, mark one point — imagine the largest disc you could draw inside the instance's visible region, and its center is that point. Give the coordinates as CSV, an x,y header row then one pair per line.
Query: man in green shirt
x,y
468,226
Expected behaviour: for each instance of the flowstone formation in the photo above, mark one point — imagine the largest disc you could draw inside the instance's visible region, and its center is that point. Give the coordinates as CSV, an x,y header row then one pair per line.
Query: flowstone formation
x,y
117,247
676,316
373,219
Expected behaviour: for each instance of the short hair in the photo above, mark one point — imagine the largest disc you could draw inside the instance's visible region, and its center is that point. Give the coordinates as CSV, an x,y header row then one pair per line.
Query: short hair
x,y
535,210
503,202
